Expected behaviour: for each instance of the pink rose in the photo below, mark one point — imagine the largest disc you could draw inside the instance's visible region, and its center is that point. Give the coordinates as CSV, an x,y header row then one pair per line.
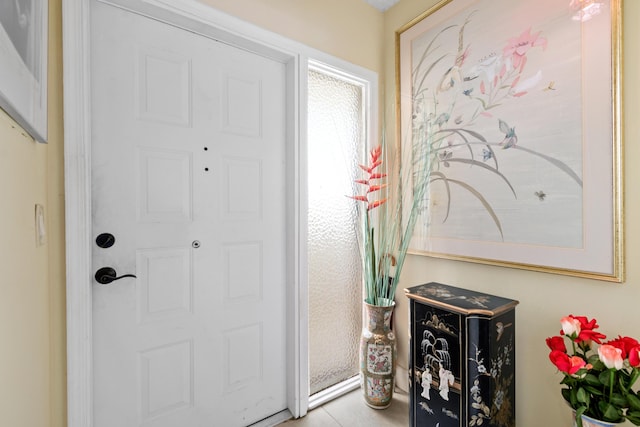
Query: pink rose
x,y
625,344
610,356
570,325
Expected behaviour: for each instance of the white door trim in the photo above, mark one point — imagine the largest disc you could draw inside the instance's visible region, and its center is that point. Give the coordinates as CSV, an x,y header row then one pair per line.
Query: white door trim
x,y
77,152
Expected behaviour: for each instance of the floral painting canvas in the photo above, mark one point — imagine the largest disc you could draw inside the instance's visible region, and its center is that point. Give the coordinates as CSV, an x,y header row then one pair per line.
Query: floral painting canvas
x,y
517,99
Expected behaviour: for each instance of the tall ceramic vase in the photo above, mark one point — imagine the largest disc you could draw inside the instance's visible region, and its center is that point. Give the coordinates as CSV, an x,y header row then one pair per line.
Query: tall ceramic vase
x,y
377,356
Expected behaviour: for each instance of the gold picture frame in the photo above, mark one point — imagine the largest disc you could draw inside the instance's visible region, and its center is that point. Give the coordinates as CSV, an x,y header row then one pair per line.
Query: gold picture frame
x,y
522,101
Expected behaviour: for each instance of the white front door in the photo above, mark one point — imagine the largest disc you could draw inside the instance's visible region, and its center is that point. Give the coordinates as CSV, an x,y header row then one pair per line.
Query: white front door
x,y
188,176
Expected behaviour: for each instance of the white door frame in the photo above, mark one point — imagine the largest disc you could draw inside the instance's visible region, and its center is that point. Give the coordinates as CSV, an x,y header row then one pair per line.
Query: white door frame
x,y
210,22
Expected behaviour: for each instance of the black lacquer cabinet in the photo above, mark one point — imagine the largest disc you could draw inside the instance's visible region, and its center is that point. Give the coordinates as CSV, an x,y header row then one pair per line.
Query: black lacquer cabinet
x,y
462,358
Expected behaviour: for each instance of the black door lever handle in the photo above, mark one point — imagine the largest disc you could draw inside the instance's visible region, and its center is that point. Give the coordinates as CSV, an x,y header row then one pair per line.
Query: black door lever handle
x,y
106,275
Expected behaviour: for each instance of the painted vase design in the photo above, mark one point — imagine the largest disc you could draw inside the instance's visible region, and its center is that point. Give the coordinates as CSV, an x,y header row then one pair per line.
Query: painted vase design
x,y
591,422
377,356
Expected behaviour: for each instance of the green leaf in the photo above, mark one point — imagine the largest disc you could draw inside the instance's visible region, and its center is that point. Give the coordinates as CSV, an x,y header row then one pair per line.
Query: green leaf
x,y
597,365
579,411
634,402
634,417
573,399
592,380
606,379
624,374
594,391
583,396
609,412
618,400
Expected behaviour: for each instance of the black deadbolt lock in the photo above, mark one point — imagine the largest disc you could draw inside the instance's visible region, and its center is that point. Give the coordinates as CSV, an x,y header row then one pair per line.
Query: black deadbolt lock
x,y
105,240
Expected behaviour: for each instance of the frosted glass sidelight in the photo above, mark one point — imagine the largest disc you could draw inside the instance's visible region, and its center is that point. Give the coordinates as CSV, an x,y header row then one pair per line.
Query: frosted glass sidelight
x,y
336,144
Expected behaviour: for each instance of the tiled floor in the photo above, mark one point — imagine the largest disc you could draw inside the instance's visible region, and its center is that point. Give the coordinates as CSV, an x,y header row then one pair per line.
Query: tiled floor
x,y
351,411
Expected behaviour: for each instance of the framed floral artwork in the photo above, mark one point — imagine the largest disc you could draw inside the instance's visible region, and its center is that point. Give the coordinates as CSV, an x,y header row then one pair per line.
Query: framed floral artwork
x,y
23,55
520,103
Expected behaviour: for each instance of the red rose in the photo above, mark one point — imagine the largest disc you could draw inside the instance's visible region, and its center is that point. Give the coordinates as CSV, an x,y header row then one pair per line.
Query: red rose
x,y
566,364
634,357
626,344
589,335
557,343
583,328
585,323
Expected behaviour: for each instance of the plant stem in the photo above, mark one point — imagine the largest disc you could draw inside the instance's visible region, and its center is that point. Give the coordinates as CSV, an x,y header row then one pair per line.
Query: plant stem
x,y
635,374
611,379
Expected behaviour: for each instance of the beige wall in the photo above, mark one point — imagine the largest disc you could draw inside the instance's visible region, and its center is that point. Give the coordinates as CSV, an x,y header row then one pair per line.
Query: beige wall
x,y
347,29
32,358
24,306
544,298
